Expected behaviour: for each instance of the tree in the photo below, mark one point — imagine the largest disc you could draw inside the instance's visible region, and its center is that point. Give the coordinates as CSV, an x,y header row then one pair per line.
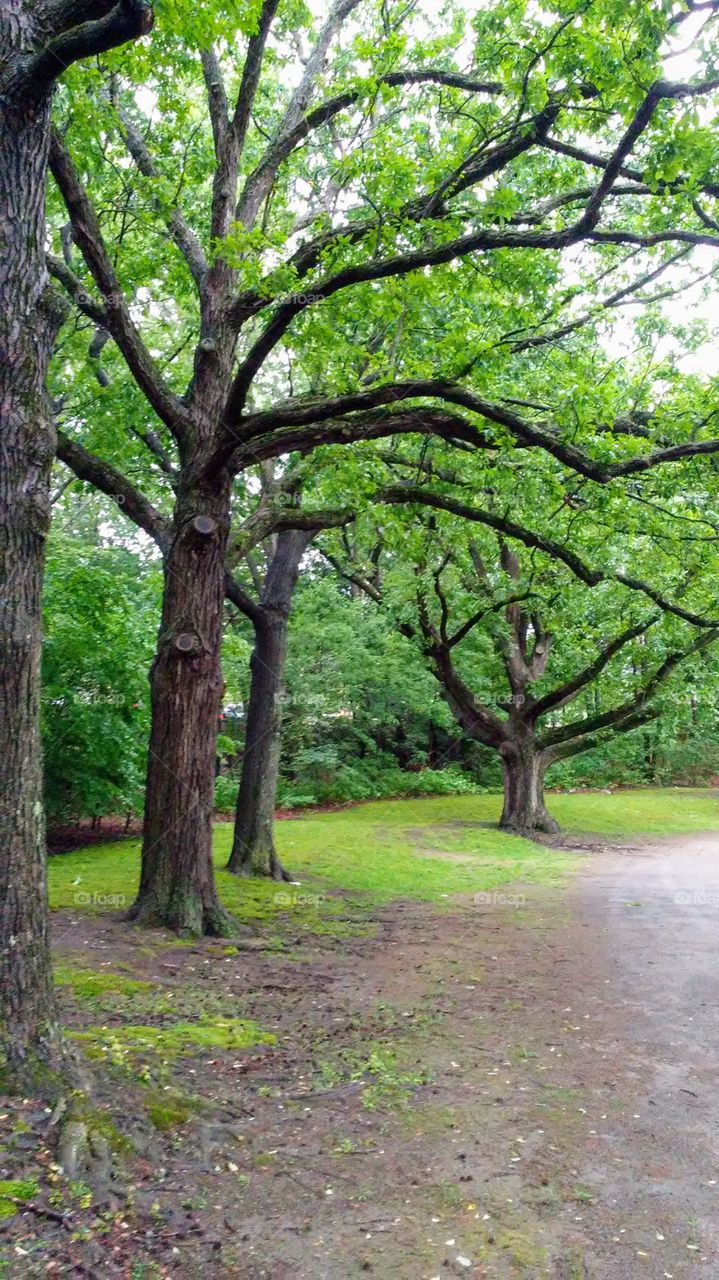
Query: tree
x,y
298,325
481,617
39,41
281,532
253,847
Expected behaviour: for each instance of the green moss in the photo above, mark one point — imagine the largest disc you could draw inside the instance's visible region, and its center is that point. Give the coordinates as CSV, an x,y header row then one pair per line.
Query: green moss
x,y
23,1190
169,1109
522,1247
81,1107
123,1045
86,984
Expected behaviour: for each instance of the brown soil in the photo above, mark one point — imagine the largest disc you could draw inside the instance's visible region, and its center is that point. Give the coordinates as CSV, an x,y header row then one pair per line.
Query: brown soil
x,y
551,1110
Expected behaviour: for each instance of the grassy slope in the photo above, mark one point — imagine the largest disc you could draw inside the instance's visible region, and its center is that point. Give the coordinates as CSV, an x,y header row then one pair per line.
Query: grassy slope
x,y
423,848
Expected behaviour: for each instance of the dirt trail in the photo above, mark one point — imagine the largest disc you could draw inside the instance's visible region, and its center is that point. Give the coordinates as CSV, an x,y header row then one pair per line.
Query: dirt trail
x,y
518,1086
642,954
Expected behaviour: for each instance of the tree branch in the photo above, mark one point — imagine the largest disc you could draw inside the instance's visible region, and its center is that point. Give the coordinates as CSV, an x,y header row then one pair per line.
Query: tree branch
x,y
566,692
635,705
326,111
130,501
117,319
251,74
584,572
181,233
106,28
259,183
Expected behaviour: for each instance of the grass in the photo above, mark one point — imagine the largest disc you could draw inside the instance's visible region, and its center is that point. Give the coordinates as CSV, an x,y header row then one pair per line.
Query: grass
x,y
654,811
427,848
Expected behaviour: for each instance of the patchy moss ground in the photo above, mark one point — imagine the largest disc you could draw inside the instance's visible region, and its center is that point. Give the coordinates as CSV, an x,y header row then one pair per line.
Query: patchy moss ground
x,y
385,1081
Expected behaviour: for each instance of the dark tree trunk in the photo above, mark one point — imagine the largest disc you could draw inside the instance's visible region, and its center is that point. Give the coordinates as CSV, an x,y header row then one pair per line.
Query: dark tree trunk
x,y
177,886
524,810
30,316
29,1036
253,847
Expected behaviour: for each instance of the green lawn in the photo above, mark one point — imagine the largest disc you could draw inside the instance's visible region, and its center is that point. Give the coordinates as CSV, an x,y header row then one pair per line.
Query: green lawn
x,y
423,848
654,811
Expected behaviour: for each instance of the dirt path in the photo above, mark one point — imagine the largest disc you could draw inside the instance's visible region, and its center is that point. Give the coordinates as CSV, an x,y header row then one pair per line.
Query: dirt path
x,y
642,960
519,1086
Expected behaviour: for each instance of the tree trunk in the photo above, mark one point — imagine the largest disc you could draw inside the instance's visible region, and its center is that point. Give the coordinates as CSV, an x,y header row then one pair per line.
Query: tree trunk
x,y
253,847
177,886
30,1040
524,808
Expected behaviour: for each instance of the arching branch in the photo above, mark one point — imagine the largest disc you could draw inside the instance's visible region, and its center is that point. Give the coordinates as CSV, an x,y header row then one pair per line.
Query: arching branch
x,y
79,30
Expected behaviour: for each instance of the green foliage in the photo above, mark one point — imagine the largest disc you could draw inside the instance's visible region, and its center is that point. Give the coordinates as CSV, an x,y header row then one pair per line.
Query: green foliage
x,y
101,605
543,329
321,778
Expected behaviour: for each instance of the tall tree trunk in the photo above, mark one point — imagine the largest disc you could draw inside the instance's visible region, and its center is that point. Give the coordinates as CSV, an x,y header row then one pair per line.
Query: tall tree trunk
x,y
29,1035
253,847
177,885
524,809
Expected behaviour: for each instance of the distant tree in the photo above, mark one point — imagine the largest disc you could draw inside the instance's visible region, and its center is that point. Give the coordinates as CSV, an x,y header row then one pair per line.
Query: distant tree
x,y
269,548
492,629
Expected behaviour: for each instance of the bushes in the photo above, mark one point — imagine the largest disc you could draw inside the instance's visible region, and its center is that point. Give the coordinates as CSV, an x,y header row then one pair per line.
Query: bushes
x,y
375,777
101,610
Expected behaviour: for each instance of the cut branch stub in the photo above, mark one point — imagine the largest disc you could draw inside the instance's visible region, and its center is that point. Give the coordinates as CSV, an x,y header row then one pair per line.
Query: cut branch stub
x,y
188,642
204,524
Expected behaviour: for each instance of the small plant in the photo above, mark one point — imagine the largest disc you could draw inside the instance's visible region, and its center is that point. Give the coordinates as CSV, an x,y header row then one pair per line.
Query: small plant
x,y
583,1194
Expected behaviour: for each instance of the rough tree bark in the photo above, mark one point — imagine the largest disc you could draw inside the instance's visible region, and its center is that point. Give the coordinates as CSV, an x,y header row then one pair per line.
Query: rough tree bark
x,y
523,770
177,885
37,43
28,1022
253,847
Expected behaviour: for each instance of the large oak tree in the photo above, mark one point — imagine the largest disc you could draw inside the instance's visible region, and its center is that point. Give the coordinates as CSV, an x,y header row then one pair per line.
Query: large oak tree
x,y
38,42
